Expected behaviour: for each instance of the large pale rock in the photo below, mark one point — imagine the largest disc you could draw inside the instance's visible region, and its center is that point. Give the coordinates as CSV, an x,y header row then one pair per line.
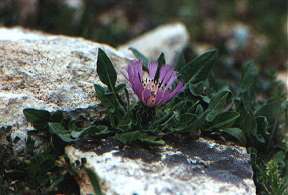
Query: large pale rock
x,y
169,39
199,167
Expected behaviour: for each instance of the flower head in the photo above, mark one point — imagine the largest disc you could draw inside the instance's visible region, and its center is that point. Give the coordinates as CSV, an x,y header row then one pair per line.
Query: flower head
x,y
153,87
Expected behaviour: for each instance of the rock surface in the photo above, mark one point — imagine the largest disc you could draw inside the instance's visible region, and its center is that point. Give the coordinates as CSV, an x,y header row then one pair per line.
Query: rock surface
x,y
199,167
56,72
47,72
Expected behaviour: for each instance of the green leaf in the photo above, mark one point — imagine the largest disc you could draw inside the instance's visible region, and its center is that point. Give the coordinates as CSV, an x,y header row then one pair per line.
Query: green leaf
x,y
58,130
99,90
161,59
98,130
217,104
120,87
236,133
271,109
57,116
106,98
196,124
35,116
128,137
110,100
246,121
249,76
199,68
198,89
140,56
152,140
262,124
95,181
199,109
225,119
138,136
105,70
219,99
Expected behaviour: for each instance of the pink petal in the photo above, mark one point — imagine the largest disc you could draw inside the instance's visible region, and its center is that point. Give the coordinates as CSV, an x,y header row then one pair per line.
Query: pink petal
x,y
134,75
163,71
179,88
146,93
152,69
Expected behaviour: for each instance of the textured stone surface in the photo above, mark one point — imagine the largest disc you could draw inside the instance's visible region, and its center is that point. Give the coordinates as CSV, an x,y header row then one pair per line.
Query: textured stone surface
x,y
169,39
47,72
54,72
199,167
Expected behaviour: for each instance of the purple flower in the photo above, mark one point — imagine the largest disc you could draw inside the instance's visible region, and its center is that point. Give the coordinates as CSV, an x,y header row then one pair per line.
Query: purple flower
x,y
151,88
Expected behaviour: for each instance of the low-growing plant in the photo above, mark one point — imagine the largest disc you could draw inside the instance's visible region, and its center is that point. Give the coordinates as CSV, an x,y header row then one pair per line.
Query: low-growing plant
x,y
180,102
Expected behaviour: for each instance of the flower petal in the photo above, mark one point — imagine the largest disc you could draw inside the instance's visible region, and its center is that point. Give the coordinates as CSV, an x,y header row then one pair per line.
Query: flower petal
x,y
146,93
169,79
179,88
160,97
165,73
134,76
152,69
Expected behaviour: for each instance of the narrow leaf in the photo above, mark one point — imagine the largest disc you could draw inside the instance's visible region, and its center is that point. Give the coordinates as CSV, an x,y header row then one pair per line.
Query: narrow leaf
x,y
199,68
236,133
137,136
161,59
249,77
140,56
105,70
95,181
99,90
36,116
217,104
58,130
224,119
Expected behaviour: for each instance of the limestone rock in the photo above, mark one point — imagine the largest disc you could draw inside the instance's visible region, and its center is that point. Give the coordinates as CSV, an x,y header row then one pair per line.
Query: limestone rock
x,y
188,168
47,72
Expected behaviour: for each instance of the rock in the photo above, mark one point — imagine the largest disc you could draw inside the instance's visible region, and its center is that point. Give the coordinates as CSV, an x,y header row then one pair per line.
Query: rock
x,y
283,76
47,72
241,41
169,39
17,34
51,72
188,168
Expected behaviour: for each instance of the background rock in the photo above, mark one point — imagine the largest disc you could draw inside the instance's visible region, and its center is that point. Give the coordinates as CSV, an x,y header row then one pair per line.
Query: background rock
x,y
283,76
169,39
188,168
